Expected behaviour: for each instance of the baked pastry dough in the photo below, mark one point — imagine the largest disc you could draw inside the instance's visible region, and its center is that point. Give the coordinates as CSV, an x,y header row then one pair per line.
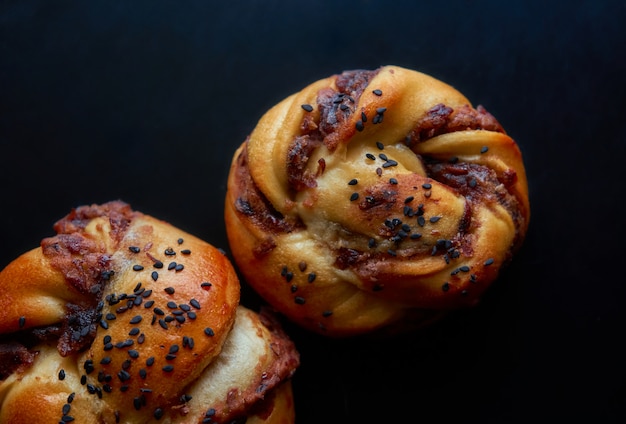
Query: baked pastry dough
x,y
375,199
121,317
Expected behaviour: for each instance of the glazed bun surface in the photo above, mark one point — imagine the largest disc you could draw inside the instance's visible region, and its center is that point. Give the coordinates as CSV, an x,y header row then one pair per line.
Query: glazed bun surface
x,y
375,199
122,317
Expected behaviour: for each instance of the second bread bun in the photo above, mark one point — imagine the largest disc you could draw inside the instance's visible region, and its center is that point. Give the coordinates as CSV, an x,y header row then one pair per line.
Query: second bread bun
x,y
121,317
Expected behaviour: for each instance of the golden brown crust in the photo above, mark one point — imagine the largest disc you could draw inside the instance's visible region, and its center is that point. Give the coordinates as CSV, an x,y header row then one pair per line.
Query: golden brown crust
x,y
372,196
134,313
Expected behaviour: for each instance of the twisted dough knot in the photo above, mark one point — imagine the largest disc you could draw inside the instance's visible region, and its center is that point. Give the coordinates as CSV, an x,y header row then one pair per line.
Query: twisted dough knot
x,y
374,197
121,317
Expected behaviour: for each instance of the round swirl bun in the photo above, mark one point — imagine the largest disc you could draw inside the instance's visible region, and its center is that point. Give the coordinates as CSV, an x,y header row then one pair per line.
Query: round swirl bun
x,y
121,317
373,199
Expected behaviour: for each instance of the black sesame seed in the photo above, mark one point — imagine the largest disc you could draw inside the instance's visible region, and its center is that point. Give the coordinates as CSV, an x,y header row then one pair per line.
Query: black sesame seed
x,y
133,354
421,221
299,300
473,182
445,286
123,375
185,307
108,346
134,249
427,186
393,181
67,418
106,339
148,304
158,264
170,357
83,380
195,303
174,348
171,266
464,268
186,252
158,414
383,156
311,277
172,305
154,275
133,331
363,117
169,252
168,368
353,181
105,361
371,243
158,311
409,199
66,409
209,332
179,267
163,324
169,318
104,324
380,145
137,267
141,338
484,149
370,156
359,125
377,92
169,290
136,319
354,196
434,219
150,361
180,241
62,374
110,316
392,252
143,373
191,315
489,262
307,107
21,322
390,163
415,236
206,285
327,313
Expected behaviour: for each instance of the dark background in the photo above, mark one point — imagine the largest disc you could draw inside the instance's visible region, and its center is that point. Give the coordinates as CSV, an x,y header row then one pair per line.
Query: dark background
x,y
146,101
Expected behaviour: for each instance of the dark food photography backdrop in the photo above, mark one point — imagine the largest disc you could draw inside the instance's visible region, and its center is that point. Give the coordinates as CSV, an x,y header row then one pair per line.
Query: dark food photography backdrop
x,y
146,102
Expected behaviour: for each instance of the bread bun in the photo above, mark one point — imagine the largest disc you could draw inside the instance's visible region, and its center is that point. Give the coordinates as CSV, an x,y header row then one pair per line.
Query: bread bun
x,y
375,199
122,317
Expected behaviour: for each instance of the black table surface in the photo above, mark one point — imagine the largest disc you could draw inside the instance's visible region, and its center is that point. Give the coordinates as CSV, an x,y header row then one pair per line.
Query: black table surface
x,y
146,101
